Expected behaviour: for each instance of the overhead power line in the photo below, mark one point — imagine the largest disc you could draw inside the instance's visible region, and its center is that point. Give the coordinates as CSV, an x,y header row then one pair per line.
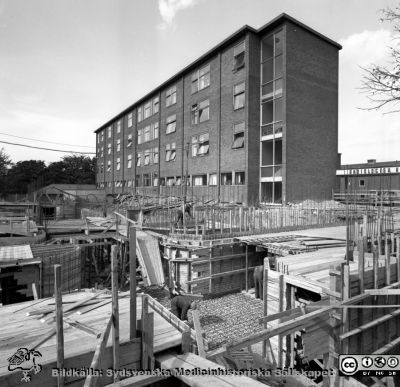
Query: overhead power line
x,y
48,149
49,142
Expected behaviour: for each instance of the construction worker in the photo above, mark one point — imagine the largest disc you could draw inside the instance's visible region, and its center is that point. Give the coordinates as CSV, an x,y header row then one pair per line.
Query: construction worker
x,y
180,306
188,210
258,281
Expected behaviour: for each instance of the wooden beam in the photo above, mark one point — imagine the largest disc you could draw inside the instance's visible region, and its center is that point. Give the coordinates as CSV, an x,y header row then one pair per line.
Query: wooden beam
x,y
59,323
199,336
91,380
132,283
115,309
285,327
138,381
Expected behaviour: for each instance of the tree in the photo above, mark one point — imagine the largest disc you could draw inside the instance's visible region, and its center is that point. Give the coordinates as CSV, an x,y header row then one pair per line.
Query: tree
x,y
5,162
382,83
21,174
71,170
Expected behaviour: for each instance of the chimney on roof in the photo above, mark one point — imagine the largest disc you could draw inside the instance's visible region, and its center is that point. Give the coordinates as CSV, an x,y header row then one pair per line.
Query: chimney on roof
x,y
371,161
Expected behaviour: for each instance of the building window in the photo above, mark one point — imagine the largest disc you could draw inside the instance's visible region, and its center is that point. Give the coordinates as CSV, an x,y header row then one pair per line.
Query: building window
x,y
118,145
118,126
147,157
147,110
199,180
361,183
156,104
146,133
102,151
129,142
162,181
170,181
201,112
102,167
239,178
155,155
129,183
238,136
212,179
155,179
140,113
178,180
118,163
201,79
130,120
155,130
140,136
170,153
146,180
170,96
109,166
108,149
109,131
238,96
102,136
226,178
138,181
129,165
138,159
238,56
171,124
200,145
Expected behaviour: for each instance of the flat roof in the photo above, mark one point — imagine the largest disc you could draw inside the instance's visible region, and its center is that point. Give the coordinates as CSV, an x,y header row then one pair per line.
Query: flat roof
x,y
246,28
374,164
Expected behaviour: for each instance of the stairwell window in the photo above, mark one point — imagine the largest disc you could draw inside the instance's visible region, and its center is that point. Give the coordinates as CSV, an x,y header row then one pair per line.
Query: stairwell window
x,y
238,135
138,159
108,149
109,166
140,136
118,164
201,79
129,142
118,126
130,120
155,155
238,96
238,56
109,131
101,167
129,164
118,145
171,124
140,113
147,157
156,104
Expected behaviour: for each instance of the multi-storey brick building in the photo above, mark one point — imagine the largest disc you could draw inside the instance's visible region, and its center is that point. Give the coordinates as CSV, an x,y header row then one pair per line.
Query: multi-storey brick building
x,y
255,119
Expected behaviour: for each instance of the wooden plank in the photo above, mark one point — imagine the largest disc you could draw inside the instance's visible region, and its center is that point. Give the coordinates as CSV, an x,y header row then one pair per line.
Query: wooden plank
x,y
59,323
199,336
91,380
75,305
115,309
145,313
285,327
92,307
34,291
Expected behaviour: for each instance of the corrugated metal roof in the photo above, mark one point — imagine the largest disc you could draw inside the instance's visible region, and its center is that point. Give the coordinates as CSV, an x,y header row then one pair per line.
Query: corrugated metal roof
x,y
13,253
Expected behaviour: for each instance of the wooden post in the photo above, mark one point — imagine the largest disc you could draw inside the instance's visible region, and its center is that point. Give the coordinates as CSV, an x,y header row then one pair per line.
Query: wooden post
x,y
144,332
132,283
115,311
265,301
59,322
387,261
398,257
375,256
280,338
186,340
210,287
345,312
230,221
361,263
199,337
292,300
247,268
379,236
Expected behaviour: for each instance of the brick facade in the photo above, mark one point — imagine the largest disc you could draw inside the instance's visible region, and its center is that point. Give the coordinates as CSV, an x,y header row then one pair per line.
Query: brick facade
x,y
212,152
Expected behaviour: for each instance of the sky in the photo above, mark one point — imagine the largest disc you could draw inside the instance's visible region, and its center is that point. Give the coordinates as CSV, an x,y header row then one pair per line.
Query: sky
x,y
68,66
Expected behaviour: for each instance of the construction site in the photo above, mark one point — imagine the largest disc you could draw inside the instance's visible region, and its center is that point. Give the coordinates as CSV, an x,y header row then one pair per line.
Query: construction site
x,y
87,301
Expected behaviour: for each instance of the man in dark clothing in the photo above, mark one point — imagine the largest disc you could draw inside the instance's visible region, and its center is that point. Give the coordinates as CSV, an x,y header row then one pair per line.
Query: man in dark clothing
x,y
180,306
188,210
258,281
